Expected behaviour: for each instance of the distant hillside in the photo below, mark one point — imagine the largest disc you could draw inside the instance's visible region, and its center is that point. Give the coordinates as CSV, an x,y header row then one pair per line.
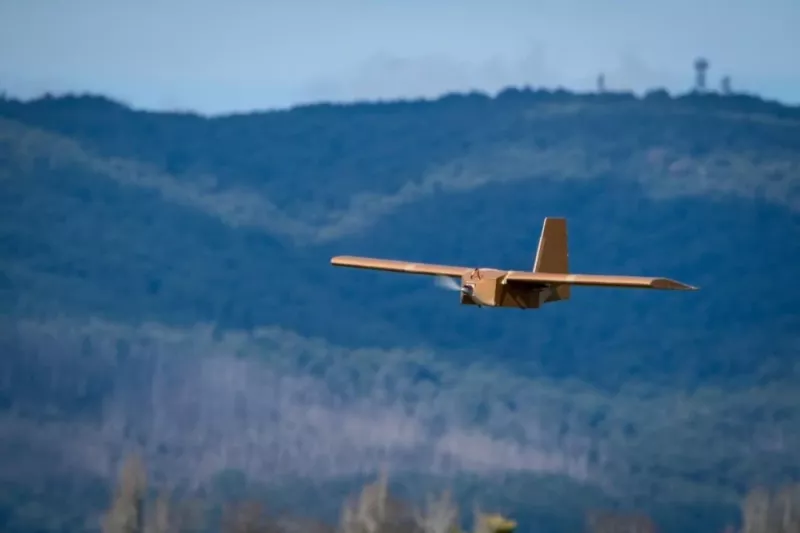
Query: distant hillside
x,y
145,254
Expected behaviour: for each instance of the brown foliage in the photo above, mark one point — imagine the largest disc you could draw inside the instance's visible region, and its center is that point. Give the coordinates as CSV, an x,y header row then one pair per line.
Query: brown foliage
x,y
247,517
618,522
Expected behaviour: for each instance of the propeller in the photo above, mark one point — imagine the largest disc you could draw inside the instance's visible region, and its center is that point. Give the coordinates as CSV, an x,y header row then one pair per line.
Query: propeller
x,y
450,284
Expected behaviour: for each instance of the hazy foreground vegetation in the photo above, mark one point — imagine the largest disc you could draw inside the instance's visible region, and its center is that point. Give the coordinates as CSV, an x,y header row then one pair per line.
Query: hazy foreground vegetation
x,y
373,510
376,510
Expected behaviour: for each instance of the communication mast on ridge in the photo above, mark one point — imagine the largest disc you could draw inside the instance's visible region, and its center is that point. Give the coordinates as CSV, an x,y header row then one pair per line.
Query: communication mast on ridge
x,y
700,67
726,85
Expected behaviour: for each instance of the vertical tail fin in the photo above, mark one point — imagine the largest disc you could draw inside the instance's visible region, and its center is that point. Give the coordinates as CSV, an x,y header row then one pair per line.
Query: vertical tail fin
x,y
552,256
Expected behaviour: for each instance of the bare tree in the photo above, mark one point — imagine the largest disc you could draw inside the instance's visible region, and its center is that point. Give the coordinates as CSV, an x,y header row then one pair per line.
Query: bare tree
x,y
161,519
126,514
439,516
763,512
376,511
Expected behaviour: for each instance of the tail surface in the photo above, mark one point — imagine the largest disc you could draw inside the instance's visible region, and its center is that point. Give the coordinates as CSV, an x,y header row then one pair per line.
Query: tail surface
x,y
552,255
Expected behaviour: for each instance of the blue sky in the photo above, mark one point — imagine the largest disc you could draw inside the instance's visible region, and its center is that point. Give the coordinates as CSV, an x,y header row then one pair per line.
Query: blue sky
x,y
224,55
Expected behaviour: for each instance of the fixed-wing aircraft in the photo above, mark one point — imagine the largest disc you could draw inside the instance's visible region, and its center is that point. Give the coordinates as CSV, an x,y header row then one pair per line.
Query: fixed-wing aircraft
x,y
548,281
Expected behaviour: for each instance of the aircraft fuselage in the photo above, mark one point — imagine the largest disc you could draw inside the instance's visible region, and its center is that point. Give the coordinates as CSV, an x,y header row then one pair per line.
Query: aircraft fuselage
x,y
486,288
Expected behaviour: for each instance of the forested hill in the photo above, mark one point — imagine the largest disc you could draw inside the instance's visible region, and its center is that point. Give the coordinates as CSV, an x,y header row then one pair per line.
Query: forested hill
x,y
178,219
189,239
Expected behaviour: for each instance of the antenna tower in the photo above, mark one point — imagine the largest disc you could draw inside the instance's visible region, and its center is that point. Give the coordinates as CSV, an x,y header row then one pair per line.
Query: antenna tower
x,y
726,85
700,68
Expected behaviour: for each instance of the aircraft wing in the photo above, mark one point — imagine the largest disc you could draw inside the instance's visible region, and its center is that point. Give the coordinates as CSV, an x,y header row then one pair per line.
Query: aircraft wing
x,y
399,266
594,280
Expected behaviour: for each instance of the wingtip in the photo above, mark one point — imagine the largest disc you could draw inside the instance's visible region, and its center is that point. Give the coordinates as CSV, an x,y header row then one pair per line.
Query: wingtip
x,y
671,284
